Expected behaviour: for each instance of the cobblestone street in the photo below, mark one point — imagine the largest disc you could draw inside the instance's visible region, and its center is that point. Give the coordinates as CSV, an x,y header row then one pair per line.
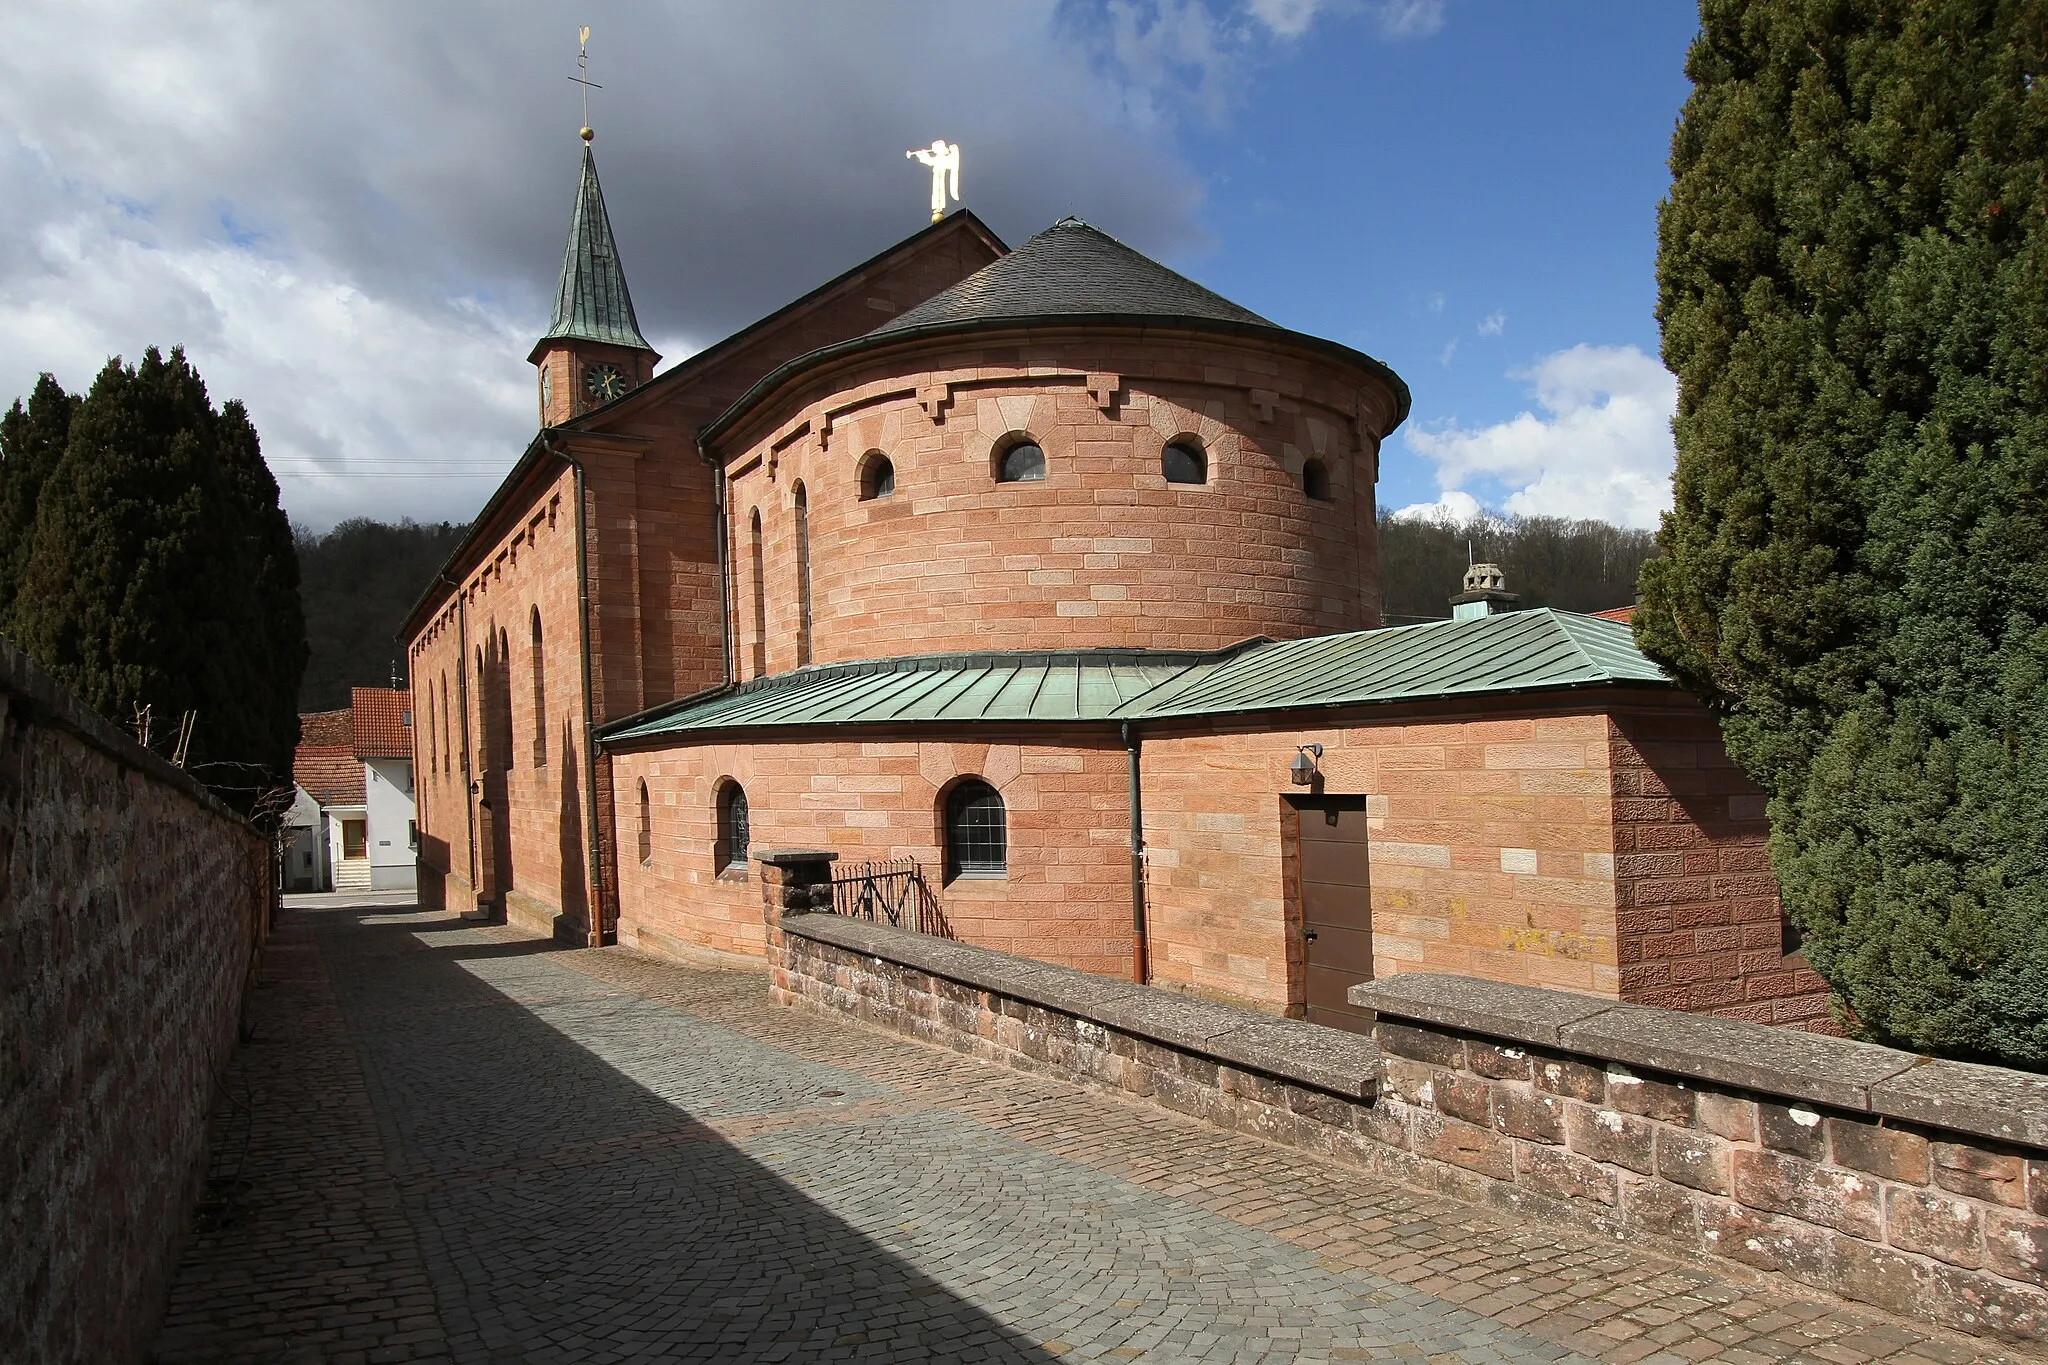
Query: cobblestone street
x,y
449,1142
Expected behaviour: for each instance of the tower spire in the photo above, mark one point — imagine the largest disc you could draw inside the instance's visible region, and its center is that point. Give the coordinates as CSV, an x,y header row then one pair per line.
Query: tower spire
x,y
592,352
591,302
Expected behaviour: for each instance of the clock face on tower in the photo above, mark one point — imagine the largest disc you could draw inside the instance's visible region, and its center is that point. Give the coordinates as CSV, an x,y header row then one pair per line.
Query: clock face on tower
x,y
603,382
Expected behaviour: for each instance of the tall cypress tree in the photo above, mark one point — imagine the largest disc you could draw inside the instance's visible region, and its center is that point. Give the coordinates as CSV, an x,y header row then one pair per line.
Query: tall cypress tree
x,y
32,440
161,572
1853,286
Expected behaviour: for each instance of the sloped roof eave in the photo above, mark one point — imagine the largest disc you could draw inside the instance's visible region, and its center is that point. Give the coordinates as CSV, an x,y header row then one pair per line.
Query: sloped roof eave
x,y
905,337
1521,654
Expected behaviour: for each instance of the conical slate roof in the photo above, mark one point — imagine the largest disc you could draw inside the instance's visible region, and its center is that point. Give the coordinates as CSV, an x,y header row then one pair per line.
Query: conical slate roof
x,y
1071,270
591,302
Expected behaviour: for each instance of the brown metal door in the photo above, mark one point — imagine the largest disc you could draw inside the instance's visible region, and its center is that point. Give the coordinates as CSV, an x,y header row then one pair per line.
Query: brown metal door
x,y
1336,907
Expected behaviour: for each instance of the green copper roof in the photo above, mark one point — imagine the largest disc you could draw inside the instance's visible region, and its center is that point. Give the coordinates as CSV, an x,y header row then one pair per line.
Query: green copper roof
x,y
591,302
1084,685
1514,652
1517,652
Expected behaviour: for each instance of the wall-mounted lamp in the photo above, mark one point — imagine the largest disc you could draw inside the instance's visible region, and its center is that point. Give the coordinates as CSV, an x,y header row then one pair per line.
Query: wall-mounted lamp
x,y
1303,768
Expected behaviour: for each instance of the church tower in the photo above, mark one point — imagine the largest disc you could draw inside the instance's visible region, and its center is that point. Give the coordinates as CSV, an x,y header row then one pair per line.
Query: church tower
x,y
593,351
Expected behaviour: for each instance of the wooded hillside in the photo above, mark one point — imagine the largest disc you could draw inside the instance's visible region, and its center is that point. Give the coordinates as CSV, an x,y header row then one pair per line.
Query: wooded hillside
x,y
357,583
1549,562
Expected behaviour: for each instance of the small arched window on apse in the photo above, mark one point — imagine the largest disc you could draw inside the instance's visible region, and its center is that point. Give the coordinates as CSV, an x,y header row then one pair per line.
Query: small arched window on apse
x,y
1183,461
877,476
803,575
1020,460
540,697
977,831
760,597
734,832
1315,480
646,826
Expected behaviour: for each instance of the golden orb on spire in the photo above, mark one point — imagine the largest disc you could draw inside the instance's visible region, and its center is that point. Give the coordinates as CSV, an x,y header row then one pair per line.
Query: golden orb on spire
x,y
586,134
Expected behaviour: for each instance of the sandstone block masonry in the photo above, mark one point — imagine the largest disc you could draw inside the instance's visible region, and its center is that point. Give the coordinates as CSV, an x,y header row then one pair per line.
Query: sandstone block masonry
x,y
1920,1186
131,907
1917,1186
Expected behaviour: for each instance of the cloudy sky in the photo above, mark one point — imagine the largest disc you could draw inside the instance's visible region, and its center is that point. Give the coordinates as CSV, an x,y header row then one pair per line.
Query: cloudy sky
x,y
350,214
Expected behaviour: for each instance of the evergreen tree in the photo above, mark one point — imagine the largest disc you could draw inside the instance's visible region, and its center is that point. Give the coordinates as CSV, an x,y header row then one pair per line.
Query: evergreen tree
x,y
160,573
32,440
1853,286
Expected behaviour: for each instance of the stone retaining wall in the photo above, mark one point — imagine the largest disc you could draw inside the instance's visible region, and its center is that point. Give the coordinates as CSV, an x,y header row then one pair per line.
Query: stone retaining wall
x,y
1917,1186
131,905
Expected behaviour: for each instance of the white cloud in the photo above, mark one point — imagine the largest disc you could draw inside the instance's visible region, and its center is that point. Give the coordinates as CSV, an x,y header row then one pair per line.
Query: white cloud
x,y
352,216
1601,448
1455,508
1449,352
1287,18
1411,18
1435,302
1493,324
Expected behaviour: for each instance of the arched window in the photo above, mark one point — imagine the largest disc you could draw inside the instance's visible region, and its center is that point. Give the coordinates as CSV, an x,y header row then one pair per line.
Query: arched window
x,y
646,826
731,853
1184,462
1315,480
977,832
803,576
877,477
447,731
433,748
760,600
540,697
1023,462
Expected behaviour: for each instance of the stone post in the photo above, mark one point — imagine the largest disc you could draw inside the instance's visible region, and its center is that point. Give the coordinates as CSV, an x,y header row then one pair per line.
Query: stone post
x,y
794,881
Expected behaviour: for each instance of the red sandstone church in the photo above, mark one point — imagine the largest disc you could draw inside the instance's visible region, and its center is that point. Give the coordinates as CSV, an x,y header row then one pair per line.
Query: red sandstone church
x,y
1051,576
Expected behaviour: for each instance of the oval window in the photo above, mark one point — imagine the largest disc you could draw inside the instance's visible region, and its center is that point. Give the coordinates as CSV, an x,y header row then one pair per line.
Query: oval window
x,y
1183,462
1022,463
1315,480
877,478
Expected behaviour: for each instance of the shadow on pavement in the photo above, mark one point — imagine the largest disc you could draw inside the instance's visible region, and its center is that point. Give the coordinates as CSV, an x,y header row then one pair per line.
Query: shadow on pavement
x,y
569,1212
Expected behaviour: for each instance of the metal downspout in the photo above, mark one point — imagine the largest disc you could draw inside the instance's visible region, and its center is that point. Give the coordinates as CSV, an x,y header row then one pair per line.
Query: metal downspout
x,y
594,878
1141,967
470,794
727,601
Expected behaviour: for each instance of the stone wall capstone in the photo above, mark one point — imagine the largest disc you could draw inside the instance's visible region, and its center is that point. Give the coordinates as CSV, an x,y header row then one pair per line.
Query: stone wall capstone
x,y
131,905
1919,1186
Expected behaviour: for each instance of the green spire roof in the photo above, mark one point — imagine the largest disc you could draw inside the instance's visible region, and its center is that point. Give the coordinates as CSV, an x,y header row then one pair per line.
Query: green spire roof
x,y
591,302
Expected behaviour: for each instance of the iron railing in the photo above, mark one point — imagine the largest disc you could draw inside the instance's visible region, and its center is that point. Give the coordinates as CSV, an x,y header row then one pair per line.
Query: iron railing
x,y
893,892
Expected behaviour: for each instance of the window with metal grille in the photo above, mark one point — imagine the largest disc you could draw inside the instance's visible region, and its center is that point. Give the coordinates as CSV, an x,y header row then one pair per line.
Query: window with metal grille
x,y
977,832
731,854
1183,462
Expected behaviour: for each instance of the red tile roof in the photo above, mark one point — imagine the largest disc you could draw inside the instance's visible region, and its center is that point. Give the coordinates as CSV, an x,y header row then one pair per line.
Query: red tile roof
x,y
1617,614
383,725
332,773
327,728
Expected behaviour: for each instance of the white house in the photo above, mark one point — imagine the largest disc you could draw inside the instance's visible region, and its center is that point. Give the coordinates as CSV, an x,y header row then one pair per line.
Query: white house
x,y
357,764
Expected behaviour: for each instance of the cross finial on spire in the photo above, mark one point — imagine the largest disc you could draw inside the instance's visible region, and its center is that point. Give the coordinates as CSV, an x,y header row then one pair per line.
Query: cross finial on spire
x,y
582,78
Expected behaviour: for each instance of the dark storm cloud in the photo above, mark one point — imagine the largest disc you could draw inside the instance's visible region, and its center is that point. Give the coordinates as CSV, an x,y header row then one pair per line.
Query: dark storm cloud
x,y
353,213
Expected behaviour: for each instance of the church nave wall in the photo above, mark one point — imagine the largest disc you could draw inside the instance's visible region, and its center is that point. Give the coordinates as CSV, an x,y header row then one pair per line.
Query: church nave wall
x,y
1065,897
